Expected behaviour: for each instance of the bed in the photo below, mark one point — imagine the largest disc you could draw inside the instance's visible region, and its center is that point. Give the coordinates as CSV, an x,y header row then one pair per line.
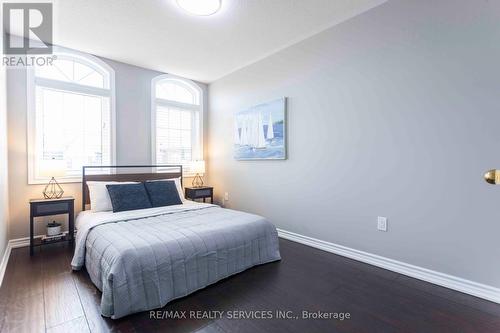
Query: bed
x,y
142,259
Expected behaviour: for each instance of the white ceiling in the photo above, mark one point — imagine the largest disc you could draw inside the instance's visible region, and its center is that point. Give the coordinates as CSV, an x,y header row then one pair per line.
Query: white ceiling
x,y
156,34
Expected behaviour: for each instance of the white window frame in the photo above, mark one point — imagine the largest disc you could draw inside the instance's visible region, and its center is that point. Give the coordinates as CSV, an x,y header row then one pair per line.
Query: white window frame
x,y
32,82
155,101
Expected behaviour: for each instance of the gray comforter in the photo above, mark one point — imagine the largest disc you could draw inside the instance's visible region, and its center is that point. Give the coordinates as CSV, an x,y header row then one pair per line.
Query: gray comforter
x,y
143,259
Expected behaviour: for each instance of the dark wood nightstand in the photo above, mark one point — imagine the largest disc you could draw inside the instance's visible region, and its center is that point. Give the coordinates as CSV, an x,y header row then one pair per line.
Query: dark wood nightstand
x,y
203,192
47,207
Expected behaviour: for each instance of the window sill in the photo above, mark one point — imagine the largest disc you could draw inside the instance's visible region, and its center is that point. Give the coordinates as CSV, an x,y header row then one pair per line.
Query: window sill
x,y
78,180
60,181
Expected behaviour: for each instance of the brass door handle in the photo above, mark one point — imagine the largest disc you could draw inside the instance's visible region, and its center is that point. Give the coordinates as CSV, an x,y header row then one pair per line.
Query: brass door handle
x,y
492,177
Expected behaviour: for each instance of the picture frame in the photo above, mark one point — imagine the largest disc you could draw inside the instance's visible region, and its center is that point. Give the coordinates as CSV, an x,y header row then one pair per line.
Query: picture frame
x,y
254,138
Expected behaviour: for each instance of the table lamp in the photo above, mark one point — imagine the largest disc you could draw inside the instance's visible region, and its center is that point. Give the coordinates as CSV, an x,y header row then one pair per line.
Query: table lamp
x,y
52,168
198,167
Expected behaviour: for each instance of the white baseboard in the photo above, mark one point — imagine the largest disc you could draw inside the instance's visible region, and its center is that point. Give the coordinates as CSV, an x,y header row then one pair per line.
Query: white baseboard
x,y
21,242
12,244
5,260
449,281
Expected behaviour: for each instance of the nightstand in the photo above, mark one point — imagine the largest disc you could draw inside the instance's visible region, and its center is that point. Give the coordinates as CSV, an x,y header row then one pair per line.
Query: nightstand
x,y
203,192
48,207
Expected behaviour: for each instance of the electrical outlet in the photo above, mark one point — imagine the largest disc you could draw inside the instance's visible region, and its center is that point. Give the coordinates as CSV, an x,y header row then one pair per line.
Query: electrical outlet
x,y
226,196
382,223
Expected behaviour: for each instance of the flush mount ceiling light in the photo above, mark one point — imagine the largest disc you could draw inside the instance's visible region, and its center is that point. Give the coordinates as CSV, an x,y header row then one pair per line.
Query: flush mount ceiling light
x,y
200,7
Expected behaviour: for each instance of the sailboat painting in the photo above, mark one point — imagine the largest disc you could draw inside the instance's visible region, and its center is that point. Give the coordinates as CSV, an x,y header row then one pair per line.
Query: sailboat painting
x,y
259,132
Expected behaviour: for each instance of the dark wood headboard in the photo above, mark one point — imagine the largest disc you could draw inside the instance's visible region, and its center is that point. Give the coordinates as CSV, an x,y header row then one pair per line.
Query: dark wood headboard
x,y
162,172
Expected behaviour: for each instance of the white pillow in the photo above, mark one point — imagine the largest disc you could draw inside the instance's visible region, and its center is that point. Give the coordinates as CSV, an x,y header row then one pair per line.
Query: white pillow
x,y
99,196
177,185
179,189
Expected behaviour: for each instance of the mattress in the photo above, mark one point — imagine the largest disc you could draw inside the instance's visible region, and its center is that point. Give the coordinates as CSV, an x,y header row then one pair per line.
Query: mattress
x,y
143,259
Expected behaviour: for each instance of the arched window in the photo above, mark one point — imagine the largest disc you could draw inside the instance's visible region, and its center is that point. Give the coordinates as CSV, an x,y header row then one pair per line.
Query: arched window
x,y
177,106
70,116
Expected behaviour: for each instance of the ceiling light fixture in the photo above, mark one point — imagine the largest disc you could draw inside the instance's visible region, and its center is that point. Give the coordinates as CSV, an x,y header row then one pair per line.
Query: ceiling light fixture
x,y
200,7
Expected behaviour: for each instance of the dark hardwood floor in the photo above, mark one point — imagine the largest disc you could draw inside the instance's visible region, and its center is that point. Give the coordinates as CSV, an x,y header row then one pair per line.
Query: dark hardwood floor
x,y
42,294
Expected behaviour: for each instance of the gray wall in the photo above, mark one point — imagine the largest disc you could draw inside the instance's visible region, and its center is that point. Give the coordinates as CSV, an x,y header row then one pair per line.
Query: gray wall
x,y
394,113
133,136
133,105
4,200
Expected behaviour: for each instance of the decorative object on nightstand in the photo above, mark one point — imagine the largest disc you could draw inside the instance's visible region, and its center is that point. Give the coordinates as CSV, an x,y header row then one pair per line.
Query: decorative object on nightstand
x,y
49,207
203,192
52,168
53,228
198,167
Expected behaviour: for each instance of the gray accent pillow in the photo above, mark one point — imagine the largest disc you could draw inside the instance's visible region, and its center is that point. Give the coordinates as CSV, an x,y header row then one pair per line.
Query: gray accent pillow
x,y
128,197
163,193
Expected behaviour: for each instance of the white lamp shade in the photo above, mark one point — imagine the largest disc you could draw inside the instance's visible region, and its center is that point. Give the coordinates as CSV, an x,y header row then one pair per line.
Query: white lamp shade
x,y
198,167
52,168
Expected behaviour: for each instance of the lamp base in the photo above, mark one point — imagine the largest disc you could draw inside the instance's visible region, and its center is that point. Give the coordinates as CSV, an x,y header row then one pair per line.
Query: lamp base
x,y
53,190
197,181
